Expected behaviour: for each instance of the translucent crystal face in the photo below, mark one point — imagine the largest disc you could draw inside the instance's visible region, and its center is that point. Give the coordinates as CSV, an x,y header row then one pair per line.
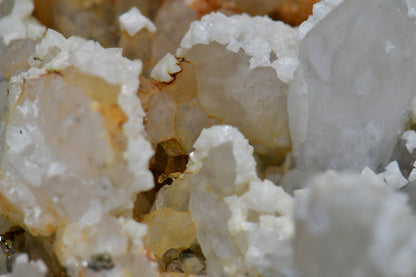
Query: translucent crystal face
x,y
50,149
355,85
239,96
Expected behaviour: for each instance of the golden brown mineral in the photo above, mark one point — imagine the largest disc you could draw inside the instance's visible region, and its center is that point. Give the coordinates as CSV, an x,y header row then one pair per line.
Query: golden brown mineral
x,y
168,229
293,12
170,158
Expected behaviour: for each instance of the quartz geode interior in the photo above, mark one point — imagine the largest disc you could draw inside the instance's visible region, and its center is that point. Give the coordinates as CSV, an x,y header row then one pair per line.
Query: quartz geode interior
x,y
207,137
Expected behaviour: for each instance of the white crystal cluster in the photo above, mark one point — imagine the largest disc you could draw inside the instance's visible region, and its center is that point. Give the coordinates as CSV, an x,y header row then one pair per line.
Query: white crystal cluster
x,y
19,23
320,10
133,21
258,37
59,179
244,225
165,68
335,95
52,139
255,59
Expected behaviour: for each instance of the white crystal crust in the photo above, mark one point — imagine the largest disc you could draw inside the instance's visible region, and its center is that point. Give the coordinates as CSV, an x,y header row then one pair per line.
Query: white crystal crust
x,y
165,68
257,36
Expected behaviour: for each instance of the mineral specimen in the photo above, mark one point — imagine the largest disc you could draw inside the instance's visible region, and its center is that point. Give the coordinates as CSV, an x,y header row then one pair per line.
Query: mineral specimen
x,y
183,151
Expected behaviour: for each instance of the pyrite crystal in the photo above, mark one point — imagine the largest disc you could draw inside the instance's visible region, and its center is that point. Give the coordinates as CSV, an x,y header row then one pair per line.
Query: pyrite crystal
x,y
170,158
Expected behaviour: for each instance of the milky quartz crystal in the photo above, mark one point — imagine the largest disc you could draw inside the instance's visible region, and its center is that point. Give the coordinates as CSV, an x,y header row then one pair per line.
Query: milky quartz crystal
x,y
349,98
254,60
59,133
18,33
174,109
17,22
354,225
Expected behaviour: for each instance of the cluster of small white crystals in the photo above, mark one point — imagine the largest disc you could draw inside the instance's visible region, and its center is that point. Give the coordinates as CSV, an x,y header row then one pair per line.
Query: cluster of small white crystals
x,y
133,21
250,219
255,59
68,167
59,134
74,152
259,38
19,23
320,10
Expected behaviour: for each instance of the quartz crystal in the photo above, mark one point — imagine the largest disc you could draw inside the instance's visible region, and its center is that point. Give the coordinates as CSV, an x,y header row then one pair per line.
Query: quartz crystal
x,y
174,109
349,98
172,22
253,85
232,208
50,157
215,140
137,30
358,226
60,159
168,229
